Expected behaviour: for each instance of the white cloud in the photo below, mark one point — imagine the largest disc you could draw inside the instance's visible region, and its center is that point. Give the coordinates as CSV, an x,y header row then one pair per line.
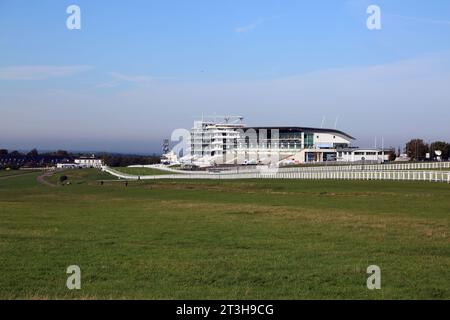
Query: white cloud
x,y
118,78
39,72
253,25
131,78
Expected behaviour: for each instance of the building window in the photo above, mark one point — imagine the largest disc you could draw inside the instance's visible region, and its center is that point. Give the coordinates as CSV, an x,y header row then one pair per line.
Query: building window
x,y
309,140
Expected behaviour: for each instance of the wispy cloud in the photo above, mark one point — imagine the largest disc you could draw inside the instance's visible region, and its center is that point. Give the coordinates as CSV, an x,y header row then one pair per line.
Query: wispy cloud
x,y
253,25
131,78
118,78
39,72
420,20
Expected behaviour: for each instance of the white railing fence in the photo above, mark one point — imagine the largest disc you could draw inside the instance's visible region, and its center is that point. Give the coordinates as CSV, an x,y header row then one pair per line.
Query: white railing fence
x,y
359,167
396,175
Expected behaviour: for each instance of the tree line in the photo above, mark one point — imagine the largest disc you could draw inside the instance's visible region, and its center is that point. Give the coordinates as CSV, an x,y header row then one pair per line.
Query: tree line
x,y
121,160
418,149
15,159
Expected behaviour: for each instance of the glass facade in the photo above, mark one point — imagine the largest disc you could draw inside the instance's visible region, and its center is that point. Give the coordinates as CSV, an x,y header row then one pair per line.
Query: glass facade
x,y
290,139
309,140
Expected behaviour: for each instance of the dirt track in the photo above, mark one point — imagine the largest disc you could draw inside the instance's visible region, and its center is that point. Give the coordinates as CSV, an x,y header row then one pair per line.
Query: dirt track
x,y
41,179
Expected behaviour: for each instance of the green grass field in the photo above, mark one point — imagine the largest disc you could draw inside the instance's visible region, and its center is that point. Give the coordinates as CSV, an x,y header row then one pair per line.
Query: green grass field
x,y
250,239
10,173
80,176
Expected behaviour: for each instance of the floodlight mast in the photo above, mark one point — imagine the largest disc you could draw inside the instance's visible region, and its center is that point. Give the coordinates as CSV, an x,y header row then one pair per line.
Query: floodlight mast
x,y
226,119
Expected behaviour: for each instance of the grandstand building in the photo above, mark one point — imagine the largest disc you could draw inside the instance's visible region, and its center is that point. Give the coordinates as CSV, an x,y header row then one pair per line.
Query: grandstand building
x,y
232,142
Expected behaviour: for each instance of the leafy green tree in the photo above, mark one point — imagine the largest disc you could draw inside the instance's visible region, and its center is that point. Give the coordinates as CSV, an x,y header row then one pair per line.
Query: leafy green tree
x,y
417,149
441,146
392,155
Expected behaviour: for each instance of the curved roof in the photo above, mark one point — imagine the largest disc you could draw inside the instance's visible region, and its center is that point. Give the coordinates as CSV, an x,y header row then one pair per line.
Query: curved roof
x,y
304,129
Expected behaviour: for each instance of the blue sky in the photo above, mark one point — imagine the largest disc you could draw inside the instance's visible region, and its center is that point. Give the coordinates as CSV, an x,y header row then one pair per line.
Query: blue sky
x,y
139,69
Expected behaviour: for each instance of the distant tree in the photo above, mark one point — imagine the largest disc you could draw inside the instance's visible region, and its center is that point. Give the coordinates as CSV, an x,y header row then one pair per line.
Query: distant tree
x,y
442,146
417,149
62,153
33,154
3,152
115,160
15,153
392,155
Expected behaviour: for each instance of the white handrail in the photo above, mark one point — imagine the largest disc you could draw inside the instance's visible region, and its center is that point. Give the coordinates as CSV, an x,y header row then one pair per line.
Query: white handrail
x,y
398,175
321,168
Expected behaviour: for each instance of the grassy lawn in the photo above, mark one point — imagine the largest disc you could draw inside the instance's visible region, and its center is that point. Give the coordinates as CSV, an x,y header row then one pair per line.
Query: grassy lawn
x,y
80,176
252,239
9,173
142,171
